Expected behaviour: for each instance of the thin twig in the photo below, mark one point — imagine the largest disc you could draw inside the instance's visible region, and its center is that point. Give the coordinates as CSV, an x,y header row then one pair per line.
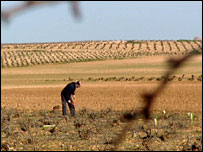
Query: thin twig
x,y
10,12
149,98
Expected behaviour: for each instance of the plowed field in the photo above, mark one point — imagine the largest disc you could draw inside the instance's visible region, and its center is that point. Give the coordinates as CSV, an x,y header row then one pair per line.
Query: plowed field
x,y
109,88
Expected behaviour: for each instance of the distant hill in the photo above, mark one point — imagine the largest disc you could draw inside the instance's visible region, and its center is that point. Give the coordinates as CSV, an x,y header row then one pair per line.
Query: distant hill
x,y
26,54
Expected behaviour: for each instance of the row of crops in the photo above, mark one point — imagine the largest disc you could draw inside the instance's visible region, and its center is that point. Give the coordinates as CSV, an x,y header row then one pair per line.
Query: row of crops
x,y
142,78
180,45
20,55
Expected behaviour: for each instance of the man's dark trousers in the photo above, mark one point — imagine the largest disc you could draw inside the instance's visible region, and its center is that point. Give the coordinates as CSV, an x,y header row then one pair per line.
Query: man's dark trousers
x,y
70,105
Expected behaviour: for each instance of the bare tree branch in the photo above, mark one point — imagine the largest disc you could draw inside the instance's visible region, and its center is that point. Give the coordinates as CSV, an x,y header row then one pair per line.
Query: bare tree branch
x,y
9,13
149,98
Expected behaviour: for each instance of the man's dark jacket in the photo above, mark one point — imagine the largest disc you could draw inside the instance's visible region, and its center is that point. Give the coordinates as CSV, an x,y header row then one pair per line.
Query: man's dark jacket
x,y
69,90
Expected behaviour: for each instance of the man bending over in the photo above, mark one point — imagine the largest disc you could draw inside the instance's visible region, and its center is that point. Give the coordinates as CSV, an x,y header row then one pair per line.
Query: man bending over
x,y
66,94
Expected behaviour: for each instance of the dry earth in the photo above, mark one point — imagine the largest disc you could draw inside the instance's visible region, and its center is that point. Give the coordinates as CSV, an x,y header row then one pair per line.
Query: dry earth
x,y
109,88
179,96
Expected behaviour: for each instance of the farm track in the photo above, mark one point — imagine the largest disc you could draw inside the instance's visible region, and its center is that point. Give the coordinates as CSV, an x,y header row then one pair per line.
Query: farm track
x,y
22,55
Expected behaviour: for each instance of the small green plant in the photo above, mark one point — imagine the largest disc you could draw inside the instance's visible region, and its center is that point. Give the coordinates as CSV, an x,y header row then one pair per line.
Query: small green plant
x,y
134,42
155,122
164,112
191,115
184,41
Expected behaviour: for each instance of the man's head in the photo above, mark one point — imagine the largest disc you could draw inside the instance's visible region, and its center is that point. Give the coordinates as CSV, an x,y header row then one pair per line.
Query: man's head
x,y
78,84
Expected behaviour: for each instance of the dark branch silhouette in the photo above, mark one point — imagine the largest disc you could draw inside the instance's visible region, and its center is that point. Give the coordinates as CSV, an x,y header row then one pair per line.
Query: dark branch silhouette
x,y
149,98
10,12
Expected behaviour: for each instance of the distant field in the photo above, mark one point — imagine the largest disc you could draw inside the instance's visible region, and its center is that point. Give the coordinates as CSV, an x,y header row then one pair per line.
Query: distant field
x,y
20,55
139,69
114,75
122,76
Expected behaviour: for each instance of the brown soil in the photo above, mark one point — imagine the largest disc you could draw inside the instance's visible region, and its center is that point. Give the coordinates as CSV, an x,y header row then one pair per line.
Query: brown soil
x,y
179,96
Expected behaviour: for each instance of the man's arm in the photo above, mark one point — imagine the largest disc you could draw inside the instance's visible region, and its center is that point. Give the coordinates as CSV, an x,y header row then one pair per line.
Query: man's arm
x,y
73,93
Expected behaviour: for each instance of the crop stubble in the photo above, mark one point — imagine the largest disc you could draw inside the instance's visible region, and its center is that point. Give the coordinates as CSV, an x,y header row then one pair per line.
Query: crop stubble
x,y
100,103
